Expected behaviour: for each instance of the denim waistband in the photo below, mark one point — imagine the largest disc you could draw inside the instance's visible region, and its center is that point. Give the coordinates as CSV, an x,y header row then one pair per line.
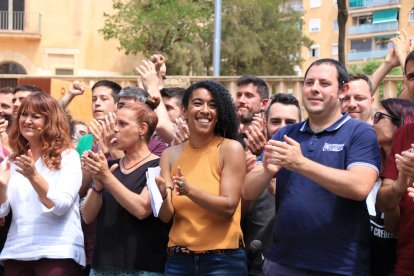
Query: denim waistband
x,y
182,250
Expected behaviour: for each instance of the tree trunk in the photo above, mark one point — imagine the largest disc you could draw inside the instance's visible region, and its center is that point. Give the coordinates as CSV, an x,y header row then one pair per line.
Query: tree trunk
x,y
342,18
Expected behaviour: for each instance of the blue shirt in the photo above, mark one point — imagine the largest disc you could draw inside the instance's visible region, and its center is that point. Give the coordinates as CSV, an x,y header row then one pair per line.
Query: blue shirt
x,y
316,229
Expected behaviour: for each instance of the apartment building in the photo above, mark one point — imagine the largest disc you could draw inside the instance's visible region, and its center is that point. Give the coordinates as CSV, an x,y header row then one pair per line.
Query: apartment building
x,y
370,25
49,37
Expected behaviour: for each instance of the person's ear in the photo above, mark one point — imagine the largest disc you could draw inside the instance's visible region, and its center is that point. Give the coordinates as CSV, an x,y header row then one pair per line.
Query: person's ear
x,y
264,103
344,89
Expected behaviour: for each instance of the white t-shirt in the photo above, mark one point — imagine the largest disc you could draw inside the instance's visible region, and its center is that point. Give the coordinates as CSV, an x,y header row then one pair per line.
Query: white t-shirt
x,y
39,232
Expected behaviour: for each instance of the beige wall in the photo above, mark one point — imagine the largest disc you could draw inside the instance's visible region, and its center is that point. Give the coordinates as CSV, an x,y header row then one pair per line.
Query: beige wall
x,y
327,12
327,37
69,39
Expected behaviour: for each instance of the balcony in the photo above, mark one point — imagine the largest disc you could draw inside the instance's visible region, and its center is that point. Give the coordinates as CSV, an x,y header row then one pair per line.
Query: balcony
x,y
373,28
20,24
374,54
362,4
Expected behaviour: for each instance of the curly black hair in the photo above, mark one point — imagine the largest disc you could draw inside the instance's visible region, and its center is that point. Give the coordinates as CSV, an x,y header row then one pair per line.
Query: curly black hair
x,y
227,125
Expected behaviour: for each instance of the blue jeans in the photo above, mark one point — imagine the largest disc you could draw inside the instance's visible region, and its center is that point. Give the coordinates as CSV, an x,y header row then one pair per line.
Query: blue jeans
x,y
234,263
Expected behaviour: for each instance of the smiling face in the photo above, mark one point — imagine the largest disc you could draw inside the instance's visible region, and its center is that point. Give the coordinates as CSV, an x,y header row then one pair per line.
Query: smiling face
x,y
281,115
357,101
321,90
201,112
31,125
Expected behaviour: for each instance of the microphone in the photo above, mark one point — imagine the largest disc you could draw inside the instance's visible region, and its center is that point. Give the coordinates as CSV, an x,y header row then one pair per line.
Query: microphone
x,y
254,255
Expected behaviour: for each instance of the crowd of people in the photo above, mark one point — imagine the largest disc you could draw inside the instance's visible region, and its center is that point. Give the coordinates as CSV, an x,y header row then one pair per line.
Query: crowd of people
x,y
247,186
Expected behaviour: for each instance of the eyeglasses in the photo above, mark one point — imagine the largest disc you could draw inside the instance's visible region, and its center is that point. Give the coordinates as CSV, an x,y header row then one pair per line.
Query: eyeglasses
x,y
379,115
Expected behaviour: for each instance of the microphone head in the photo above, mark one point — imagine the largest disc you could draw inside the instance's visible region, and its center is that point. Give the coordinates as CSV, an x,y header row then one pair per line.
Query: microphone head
x,y
255,246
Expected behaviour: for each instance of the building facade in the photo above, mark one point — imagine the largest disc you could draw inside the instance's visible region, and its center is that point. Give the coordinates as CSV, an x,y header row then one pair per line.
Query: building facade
x,y
48,38
370,25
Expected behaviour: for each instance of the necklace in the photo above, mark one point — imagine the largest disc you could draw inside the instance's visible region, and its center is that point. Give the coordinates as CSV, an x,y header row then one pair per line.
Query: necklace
x,y
125,169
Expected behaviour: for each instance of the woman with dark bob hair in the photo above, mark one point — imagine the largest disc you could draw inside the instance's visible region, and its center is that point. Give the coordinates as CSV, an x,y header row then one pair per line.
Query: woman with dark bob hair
x,y
129,239
391,114
40,183
201,185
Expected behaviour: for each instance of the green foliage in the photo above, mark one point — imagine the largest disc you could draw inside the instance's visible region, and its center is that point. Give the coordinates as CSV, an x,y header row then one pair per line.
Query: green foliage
x,y
369,68
260,38
257,36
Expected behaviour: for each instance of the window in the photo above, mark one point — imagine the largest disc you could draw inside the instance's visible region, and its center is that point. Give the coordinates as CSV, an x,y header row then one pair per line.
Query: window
x,y
314,25
315,3
314,51
63,71
334,50
335,25
411,16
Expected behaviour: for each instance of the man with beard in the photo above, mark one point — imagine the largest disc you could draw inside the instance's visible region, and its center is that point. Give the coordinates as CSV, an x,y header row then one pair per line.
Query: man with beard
x,y
251,99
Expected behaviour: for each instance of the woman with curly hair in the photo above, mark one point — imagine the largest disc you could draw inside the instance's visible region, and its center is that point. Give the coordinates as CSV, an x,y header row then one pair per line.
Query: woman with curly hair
x,y
39,183
201,185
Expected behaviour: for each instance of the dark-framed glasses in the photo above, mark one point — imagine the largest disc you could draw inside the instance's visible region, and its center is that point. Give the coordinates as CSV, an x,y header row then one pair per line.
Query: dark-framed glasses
x,y
378,116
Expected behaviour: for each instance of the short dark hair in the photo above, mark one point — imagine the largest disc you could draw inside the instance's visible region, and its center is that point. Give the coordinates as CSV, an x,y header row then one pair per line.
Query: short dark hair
x,y
286,99
410,57
111,85
6,90
173,92
342,74
28,88
358,76
227,125
260,84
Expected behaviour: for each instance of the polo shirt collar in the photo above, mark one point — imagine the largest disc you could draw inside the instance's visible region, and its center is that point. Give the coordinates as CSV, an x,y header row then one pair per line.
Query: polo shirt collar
x,y
335,126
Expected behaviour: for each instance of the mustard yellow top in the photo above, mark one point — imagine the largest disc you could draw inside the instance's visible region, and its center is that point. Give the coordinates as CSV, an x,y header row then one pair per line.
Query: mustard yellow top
x,y
194,227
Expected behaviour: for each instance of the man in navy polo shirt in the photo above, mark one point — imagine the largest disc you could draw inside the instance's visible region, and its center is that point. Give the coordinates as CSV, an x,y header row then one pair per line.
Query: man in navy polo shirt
x,y
325,168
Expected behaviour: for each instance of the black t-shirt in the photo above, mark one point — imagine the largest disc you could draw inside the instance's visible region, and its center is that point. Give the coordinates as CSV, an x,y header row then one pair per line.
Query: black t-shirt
x,y
124,241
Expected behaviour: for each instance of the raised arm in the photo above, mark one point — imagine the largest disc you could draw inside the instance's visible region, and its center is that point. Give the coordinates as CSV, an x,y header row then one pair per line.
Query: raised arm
x,y
75,89
165,128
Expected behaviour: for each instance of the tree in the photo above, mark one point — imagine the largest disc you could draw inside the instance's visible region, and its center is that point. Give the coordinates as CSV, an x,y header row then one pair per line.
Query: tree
x,y
258,37
176,28
261,38
342,18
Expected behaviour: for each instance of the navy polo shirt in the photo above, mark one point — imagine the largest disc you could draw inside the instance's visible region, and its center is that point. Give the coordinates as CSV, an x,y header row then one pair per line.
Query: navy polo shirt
x,y
314,228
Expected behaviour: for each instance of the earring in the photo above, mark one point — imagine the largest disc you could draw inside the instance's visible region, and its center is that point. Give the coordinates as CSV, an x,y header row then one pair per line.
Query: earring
x,y
141,137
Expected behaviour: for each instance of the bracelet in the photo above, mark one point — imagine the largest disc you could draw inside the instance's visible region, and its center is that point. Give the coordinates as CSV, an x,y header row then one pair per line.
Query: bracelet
x,y
96,191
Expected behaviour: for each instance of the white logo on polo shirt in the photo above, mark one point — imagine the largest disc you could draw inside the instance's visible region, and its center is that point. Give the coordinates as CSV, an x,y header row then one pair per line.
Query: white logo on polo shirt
x,y
333,147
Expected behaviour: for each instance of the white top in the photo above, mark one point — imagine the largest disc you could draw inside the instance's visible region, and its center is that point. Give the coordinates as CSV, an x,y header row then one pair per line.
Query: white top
x,y
38,232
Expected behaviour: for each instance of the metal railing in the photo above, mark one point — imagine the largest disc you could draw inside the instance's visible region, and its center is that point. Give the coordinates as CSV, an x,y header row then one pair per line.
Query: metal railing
x,y
375,3
20,22
374,54
373,28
